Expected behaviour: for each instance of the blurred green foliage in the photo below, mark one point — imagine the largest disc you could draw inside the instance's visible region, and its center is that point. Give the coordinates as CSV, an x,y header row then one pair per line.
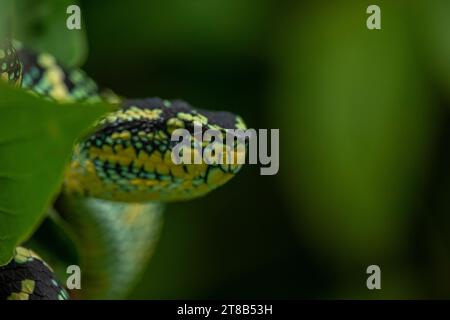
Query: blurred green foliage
x,y
364,122
41,24
430,23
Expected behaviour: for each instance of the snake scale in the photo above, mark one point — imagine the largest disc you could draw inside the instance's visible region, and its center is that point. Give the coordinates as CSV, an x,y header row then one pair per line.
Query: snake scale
x,y
119,178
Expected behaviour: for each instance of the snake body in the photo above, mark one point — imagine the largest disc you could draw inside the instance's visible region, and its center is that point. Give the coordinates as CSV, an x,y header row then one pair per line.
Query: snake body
x,y
120,176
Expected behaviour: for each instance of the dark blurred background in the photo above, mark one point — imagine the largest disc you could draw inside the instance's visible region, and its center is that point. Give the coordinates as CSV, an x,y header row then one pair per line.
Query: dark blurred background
x,y
364,135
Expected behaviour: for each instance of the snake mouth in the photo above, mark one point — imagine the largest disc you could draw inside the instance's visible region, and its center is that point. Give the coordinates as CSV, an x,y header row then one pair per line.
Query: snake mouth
x,y
130,157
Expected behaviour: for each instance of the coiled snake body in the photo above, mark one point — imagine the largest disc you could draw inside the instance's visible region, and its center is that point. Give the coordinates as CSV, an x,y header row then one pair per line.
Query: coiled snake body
x,y
112,197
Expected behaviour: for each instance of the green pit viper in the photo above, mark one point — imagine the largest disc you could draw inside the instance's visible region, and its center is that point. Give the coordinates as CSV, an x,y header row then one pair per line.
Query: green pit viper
x,y
111,201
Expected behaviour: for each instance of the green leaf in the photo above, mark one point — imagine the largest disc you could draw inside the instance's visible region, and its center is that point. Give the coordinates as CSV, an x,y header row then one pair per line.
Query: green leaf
x,y
36,140
41,24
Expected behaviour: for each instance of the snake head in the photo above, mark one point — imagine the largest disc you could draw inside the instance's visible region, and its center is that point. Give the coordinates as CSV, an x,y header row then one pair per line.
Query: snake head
x,y
28,277
133,156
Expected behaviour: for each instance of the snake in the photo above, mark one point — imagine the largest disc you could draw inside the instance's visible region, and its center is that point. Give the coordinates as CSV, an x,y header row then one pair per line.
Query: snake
x,y
118,181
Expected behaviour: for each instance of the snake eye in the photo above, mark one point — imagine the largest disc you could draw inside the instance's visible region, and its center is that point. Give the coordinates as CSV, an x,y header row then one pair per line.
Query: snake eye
x,y
131,155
